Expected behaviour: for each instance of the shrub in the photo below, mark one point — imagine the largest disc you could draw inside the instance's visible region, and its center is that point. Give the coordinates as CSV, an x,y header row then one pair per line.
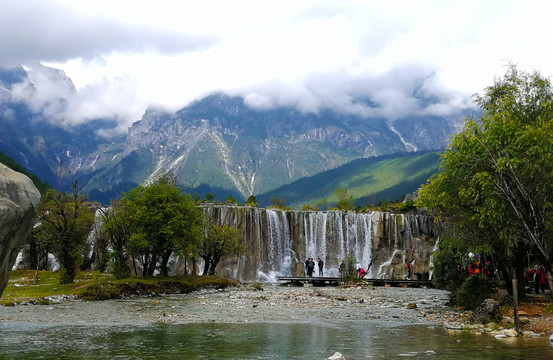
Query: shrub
x,y
251,201
349,273
450,269
473,292
230,200
309,207
101,291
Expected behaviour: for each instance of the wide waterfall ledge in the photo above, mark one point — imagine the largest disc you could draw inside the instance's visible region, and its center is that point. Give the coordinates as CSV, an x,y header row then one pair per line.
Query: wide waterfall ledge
x,y
278,242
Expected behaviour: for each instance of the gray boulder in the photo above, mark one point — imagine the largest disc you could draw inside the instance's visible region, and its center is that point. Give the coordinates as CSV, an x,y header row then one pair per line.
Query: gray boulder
x,y
19,202
485,312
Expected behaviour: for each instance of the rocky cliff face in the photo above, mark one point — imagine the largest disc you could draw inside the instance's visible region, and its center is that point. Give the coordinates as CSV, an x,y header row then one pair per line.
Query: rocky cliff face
x,y
223,145
19,202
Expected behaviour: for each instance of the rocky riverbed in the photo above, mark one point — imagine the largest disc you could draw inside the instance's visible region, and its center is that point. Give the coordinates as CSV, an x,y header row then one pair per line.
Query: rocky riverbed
x,y
269,303
249,304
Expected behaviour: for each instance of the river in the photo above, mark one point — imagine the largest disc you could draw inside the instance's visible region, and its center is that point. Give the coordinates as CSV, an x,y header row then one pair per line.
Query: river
x,y
277,323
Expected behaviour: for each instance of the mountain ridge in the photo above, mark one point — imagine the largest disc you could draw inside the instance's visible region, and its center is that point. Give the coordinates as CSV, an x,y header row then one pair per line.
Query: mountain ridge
x,y
215,143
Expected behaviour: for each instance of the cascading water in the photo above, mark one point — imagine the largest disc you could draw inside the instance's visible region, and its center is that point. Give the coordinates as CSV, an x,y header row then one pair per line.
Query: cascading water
x,y
278,242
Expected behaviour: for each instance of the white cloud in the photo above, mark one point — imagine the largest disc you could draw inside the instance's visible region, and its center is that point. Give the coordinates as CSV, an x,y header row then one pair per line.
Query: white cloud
x,y
126,55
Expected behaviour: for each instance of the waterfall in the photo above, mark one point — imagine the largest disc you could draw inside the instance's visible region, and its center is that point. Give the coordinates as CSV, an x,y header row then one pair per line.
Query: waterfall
x,y
278,242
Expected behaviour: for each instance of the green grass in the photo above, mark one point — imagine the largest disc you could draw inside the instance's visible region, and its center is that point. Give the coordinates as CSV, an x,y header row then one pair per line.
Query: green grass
x,y
369,180
22,286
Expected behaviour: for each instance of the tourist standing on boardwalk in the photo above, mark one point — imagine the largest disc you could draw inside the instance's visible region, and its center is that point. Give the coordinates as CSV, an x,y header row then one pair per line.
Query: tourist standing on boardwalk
x,y
310,267
321,264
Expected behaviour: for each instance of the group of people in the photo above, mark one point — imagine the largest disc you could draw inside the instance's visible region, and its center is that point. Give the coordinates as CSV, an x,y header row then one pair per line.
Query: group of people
x,y
358,270
537,275
310,266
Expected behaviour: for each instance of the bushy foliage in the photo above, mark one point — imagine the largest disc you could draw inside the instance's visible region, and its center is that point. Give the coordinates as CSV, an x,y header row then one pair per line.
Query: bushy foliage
x,y
278,203
473,292
496,175
251,201
309,207
219,241
348,272
449,264
345,201
162,221
230,200
65,221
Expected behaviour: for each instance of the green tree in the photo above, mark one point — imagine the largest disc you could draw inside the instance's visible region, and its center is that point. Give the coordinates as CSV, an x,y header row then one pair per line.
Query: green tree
x,y
230,200
164,221
219,241
66,220
348,272
345,201
209,197
309,207
117,228
496,176
251,201
278,203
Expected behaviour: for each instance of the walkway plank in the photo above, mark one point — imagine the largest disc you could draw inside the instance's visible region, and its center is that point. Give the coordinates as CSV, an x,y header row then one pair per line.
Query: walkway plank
x,y
322,281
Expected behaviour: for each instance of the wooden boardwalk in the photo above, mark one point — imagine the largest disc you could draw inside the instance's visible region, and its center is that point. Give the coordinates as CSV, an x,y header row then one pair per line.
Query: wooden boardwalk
x,y
325,281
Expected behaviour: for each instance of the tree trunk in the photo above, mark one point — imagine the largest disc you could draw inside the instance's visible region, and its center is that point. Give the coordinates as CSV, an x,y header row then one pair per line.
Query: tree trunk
x,y
520,273
194,267
506,278
164,261
207,265
214,264
152,266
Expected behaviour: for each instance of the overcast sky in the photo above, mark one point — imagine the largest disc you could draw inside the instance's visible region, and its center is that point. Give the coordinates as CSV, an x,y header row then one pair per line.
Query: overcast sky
x,y
124,56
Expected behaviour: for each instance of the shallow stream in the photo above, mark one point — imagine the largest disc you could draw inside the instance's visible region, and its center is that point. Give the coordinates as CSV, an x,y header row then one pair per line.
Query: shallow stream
x,y
276,323
356,340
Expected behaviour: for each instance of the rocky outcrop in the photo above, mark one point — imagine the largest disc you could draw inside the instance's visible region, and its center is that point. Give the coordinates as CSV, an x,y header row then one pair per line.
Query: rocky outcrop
x,y
19,202
487,311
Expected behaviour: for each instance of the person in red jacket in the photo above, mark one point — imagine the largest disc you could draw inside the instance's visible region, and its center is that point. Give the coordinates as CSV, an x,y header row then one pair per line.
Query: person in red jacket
x,y
540,279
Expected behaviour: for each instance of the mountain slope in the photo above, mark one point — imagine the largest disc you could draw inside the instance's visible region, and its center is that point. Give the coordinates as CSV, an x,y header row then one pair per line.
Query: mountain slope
x,y
368,180
9,162
217,144
220,145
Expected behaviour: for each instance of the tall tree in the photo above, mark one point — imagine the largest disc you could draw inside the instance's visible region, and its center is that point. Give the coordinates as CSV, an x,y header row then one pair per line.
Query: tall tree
x,y
164,221
498,172
117,228
66,220
345,201
219,241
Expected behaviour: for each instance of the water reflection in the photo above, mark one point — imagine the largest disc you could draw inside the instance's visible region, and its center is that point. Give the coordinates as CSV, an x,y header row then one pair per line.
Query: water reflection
x,y
256,341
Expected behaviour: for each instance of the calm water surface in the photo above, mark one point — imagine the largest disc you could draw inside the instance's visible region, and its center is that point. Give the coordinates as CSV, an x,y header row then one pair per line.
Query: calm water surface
x,y
257,341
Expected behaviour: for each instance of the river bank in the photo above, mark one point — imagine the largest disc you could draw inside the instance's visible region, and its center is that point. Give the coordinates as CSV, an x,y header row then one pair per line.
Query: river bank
x,y
269,303
246,304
